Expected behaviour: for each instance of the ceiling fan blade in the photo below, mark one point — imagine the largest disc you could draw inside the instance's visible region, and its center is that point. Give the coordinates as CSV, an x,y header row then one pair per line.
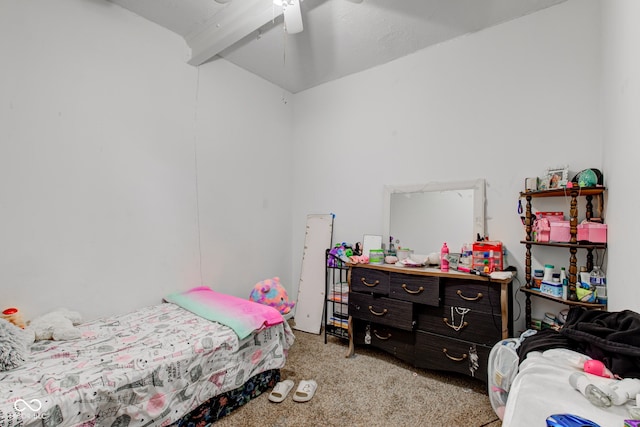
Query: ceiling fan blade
x,y
292,16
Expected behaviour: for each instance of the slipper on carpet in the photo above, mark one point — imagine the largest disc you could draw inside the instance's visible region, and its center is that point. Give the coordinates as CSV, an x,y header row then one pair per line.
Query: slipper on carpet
x,y
280,391
305,391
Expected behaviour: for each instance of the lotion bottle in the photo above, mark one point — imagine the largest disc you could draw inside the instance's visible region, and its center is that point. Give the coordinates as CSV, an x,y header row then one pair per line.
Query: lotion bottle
x,y
444,261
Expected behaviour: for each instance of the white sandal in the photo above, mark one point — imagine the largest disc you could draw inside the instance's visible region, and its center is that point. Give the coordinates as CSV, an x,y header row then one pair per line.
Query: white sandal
x,y
305,391
280,391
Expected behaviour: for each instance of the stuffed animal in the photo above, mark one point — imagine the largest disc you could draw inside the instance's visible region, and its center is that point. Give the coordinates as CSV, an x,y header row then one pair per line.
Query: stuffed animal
x,y
57,325
270,292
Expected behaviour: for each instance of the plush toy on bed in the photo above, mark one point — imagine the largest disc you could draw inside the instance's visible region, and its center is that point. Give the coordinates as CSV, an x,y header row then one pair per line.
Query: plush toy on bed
x,y
57,325
270,292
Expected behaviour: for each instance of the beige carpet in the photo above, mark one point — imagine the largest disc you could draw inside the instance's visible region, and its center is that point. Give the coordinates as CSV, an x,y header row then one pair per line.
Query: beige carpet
x,y
368,389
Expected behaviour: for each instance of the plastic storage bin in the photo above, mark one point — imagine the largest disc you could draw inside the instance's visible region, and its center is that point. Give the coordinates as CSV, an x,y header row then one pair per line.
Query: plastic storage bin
x,y
560,231
551,288
487,255
593,232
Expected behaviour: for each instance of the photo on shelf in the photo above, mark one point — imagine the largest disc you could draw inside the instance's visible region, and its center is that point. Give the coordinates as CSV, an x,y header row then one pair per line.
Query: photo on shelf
x,y
558,177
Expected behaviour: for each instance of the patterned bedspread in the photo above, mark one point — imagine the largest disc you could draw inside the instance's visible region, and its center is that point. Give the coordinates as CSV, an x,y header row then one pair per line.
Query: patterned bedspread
x,y
146,368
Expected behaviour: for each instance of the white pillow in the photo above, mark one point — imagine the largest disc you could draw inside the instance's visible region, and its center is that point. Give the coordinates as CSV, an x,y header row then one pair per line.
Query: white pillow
x,y
14,346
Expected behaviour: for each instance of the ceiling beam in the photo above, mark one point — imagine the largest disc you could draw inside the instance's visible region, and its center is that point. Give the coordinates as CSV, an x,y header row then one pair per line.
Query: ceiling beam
x,y
237,20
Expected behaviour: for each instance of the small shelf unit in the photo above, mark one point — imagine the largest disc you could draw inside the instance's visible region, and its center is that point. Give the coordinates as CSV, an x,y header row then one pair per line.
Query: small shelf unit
x,y
573,245
336,316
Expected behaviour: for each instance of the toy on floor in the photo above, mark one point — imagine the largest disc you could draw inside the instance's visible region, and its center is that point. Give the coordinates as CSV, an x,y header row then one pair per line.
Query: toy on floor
x,y
270,292
58,325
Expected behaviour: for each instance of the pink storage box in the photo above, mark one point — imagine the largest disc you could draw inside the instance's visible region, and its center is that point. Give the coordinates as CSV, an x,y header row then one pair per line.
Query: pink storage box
x,y
593,232
560,231
551,216
542,230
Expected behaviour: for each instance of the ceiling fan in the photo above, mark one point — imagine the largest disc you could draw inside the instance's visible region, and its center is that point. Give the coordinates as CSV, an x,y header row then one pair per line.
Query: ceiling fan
x,y
238,19
293,14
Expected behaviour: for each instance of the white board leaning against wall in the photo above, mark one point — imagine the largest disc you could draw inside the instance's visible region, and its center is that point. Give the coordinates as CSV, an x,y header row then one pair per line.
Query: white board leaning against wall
x,y
312,288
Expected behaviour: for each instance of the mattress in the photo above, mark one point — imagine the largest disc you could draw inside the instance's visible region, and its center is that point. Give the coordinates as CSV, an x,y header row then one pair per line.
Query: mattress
x,y
145,368
541,388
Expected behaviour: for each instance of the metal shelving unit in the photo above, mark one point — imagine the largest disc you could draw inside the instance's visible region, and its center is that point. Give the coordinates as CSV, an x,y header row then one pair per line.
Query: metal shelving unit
x,y
337,297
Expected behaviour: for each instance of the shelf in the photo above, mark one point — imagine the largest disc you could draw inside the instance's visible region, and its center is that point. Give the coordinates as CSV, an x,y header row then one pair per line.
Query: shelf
x,y
573,245
336,310
560,300
556,192
567,244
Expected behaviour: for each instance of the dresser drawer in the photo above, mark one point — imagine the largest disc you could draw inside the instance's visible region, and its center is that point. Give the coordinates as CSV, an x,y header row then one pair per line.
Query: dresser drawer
x,y
414,288
479,296
461,322
368,280
392,340
385,311
450,354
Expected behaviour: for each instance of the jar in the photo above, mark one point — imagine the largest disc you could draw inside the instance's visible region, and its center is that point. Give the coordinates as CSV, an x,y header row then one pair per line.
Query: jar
x,y
376,256
548,273
403,253
537,278
13,315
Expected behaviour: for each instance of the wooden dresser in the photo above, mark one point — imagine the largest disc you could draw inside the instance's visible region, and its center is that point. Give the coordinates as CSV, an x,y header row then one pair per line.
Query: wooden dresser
x,y
434,320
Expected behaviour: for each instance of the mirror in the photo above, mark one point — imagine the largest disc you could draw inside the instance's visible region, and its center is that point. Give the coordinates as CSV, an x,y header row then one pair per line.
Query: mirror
x,y
423,216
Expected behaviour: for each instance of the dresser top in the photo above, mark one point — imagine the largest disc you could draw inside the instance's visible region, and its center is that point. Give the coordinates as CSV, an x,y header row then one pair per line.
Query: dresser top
x,y
428,271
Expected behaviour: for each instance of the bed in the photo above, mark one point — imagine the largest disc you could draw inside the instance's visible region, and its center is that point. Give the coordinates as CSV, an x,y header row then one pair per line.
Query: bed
x,y
159,365
534,382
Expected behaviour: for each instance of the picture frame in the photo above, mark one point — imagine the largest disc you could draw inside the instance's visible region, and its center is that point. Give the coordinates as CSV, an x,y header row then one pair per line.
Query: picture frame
x,y
558,177
371,241
454,260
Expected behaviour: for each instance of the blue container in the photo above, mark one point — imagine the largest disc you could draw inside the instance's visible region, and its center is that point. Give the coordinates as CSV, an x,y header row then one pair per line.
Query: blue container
x,y
551,288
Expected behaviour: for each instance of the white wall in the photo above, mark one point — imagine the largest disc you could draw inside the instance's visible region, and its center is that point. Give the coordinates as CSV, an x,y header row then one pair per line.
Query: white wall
x,y
102,124
244,179
621,69
501,104
126,174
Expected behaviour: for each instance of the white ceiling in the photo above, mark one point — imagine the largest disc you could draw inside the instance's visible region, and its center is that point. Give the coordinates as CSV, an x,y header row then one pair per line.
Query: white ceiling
x,y
340,37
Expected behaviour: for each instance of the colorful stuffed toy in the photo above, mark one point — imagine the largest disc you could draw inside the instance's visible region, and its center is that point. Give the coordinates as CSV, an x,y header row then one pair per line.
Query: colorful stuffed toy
x,y
339,253
270,292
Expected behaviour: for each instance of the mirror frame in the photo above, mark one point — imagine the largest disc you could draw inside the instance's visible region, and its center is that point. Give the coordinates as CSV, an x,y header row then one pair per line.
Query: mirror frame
x,y
478,187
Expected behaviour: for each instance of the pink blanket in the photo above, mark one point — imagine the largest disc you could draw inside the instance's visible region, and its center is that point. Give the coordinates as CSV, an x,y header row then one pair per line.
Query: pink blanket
x,y
243,316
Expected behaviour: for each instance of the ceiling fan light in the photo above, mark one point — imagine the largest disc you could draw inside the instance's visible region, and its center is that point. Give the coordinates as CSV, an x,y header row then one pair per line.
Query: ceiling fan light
x,y
283,3
292,17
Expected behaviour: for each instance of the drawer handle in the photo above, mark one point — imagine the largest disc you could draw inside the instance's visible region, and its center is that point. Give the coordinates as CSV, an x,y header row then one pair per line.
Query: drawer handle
x,y
476,298
371,285
455,359
454,327
381,337
409,291
377,313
